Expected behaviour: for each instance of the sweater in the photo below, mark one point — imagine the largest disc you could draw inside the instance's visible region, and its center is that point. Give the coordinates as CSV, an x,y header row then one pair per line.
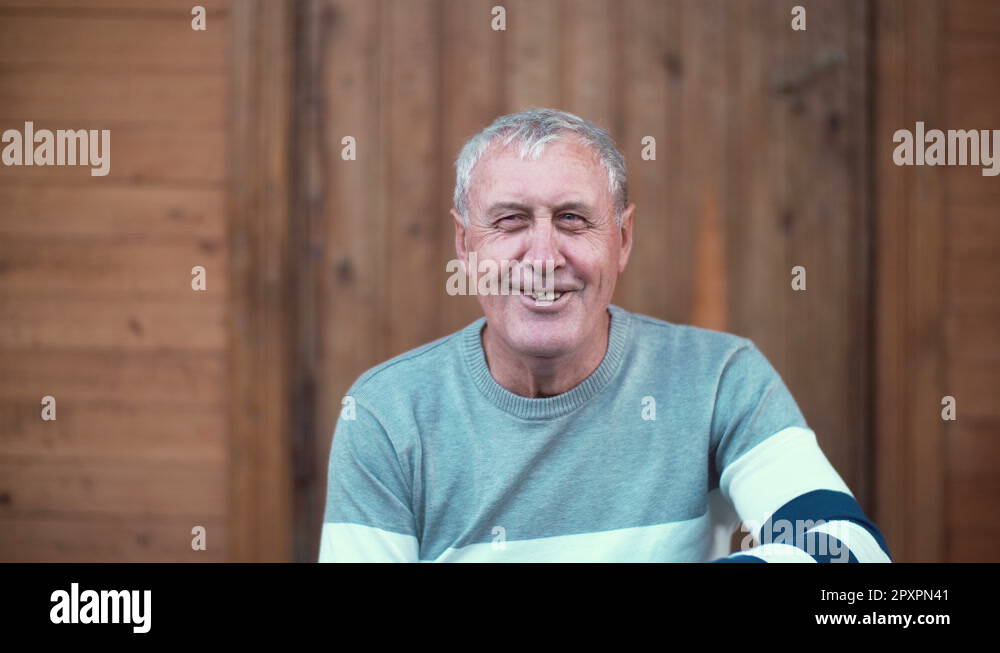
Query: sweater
x,y
680,436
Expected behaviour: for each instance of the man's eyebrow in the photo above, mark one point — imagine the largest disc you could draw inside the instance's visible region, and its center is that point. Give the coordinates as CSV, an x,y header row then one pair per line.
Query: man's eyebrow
x,y
517,206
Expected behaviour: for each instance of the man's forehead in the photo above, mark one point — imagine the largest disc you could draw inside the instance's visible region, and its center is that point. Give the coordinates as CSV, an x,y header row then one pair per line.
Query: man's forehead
x,y
516,183
520,202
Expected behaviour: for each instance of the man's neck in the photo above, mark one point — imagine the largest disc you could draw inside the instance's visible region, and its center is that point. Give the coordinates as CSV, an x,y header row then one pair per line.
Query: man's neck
x,y
530,376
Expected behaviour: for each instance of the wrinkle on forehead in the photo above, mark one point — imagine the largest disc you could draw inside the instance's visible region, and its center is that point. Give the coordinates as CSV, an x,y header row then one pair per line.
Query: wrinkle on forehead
x,y
585,157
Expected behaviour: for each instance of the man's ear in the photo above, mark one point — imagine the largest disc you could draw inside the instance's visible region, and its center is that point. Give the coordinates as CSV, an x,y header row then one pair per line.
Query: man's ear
x,y
460,248
626,237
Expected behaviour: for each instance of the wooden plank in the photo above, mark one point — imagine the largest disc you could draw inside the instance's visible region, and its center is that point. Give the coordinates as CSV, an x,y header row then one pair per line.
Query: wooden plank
x,y
972,83
971,506
113,323
586,42
118,268
99,211
700,246
797,195
910,469
651,99
757,265
972,283
191,157
967,185
973,335
74,98
259,492
973,449
973,230
694,71
414,228
974,385
530,55
113,430
970,18
169,7
341,236
153,377
472,96
826,222
36,41
972,104
89,539
35,487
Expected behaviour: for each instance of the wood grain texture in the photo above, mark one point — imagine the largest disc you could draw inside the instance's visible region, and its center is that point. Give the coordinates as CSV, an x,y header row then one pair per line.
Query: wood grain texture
x,y
796,194
260,487
94,42
910,355
96,306
110,538
937,263
412,153
651,89
138,488
114,429
120,211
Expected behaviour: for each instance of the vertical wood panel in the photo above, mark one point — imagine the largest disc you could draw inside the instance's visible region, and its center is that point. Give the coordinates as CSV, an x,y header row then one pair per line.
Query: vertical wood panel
x,y
797,195
970,297
342,207
531,57
260,504
650,88
910,475
473,79
585,68
697,241
826,226
412,151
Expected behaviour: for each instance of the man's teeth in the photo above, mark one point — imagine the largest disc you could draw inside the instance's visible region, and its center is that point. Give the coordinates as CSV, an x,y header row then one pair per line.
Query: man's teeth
x,y
546,296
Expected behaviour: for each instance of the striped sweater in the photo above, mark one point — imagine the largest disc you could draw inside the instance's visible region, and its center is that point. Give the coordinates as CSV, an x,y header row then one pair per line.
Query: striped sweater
x,y
680,437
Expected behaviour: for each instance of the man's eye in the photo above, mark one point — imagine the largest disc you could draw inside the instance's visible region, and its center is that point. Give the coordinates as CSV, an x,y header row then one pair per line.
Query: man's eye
x,y
508,220
573,217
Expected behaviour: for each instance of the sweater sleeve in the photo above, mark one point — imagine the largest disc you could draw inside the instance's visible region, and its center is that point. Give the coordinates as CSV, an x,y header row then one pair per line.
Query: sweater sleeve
x,y
368,516
787,494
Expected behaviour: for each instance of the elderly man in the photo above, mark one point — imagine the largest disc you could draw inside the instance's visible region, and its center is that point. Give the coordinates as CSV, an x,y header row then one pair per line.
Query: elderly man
x,y
564,428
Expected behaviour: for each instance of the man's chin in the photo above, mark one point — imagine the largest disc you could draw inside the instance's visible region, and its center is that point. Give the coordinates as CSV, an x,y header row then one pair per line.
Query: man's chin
x,y
542,341
547,333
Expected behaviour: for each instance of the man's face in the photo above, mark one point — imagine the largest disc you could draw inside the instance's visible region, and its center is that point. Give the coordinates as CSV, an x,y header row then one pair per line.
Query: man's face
x,y
557,207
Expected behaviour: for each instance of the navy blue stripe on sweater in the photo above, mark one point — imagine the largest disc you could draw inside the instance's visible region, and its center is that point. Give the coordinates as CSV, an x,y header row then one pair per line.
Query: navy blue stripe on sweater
x,y
825,506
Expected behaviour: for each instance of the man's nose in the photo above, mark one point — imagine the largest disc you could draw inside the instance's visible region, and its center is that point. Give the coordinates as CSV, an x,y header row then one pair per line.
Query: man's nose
x,y
544,242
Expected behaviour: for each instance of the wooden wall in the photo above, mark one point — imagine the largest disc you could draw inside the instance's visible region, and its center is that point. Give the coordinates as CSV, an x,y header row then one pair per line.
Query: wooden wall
x,y
971,77
96,304
938,316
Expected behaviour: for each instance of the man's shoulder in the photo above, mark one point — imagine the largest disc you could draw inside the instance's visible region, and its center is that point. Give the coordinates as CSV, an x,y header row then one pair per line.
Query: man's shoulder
x,y
656,336
411,369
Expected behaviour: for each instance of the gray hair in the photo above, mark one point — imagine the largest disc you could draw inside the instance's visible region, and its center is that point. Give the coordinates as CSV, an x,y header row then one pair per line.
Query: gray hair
x,y
532,129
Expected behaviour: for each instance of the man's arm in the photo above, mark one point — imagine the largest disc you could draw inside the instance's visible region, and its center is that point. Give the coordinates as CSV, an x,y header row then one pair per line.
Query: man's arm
x,y
774,473
797,506
368,516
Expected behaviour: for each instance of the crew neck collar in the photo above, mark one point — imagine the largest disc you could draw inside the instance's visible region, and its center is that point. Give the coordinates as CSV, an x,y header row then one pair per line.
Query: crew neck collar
x,y
557,405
